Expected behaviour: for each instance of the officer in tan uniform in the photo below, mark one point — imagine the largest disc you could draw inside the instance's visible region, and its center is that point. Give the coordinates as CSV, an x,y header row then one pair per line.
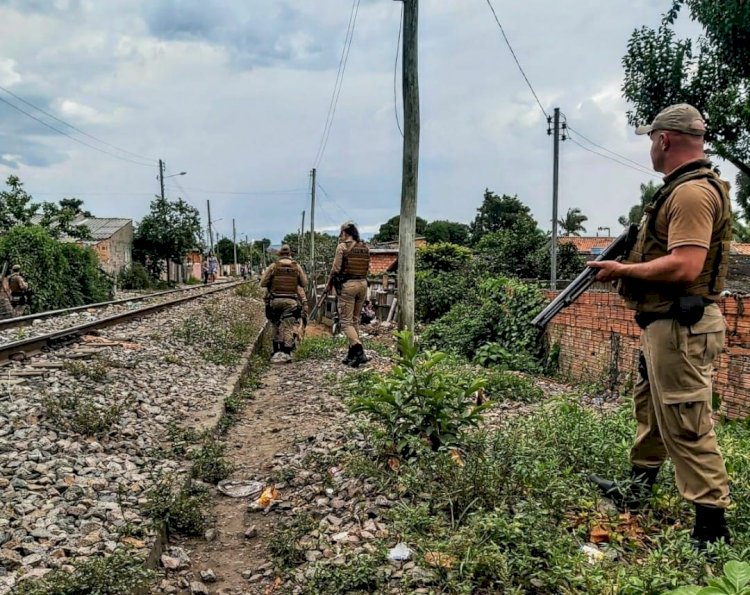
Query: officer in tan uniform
x,y
351,264
286,305
672,278
18,291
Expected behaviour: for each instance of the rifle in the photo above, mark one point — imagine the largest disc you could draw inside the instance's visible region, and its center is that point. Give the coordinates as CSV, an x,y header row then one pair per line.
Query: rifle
x,y
620,247
319,303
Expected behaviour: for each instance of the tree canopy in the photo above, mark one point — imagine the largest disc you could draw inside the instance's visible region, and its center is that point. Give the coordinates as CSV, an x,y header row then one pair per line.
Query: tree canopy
x,y
712,73
451,232
635,214
166,233
572,223
498,213
388,231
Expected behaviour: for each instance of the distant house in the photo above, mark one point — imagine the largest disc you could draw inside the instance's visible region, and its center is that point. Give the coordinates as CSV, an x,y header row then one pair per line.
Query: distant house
x,y
111,238
588,246
384,257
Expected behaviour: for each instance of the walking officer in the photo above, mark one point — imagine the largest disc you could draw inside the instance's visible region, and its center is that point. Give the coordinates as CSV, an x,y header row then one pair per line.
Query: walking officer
x,y
285,282
351,264
672,278
19,291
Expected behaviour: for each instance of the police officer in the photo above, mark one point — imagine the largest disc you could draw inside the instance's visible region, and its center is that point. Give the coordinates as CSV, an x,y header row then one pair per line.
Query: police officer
x,y
672,278
351,264
18,291
286,304
6,309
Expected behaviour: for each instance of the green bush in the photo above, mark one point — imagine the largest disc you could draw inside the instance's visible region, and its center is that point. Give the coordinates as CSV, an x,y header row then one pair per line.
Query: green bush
x,y
496,356
736,581
443,257
436,293
419,400
61,275
209,464
182,510
122,573
136,276
500,312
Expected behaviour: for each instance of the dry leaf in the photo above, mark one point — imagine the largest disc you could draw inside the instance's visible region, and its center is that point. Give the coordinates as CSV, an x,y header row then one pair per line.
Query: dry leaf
x,y
456,456
599,535
269,495
439,560
273,586
394,464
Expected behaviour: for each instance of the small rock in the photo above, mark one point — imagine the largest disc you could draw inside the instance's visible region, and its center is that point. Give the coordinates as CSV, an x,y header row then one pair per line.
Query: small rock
x,y
251,531
198,588
208,576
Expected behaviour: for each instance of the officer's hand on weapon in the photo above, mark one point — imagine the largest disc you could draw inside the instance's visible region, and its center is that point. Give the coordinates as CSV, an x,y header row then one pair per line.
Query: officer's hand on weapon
x,y
609,270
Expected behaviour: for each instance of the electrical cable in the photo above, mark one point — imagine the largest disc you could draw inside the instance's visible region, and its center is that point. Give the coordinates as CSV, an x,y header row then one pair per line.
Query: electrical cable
x,y
395,69
339,82
337,205
588,140
638,169
78,140
510,47
91,136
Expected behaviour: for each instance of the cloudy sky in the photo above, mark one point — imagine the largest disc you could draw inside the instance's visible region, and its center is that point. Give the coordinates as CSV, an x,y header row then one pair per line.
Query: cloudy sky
x,y
236,93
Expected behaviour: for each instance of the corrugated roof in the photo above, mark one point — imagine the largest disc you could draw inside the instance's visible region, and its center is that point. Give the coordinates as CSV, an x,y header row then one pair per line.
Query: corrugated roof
x,y
102,228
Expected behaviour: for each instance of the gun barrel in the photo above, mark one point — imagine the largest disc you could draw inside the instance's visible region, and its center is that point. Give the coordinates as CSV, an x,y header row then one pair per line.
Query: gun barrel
x,y
585,279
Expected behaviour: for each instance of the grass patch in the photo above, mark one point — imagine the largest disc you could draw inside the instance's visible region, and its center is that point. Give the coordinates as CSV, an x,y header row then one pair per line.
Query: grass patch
x,y
119,574
209,464
94,370
249,290
82,414
285,548
319,348
181,509
361,574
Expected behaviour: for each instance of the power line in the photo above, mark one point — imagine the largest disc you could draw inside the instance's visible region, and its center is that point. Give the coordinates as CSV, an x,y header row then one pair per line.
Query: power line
x,y
510,47
588,140
339,81
249,192
395,69
638,169
91,136
337,205
78,140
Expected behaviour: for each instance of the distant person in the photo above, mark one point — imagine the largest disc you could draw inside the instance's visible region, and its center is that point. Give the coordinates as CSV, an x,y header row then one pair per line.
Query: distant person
x,y
368,313
243,272
284,282
204,271
6,309
348,277
19,291
213,267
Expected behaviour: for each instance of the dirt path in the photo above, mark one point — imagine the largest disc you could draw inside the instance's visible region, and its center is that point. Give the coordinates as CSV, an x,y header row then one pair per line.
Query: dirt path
x,y
290,407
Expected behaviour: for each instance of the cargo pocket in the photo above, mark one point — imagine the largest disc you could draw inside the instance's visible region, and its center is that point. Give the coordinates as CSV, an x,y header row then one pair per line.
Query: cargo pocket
x,y
692,418
706,337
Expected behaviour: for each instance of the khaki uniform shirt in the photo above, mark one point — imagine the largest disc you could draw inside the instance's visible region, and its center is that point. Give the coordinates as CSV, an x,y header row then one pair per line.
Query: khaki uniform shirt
x,y
265,281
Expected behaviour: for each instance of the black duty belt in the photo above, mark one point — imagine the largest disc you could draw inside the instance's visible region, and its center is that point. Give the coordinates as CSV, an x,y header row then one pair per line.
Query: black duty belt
x,y
687,310
643,319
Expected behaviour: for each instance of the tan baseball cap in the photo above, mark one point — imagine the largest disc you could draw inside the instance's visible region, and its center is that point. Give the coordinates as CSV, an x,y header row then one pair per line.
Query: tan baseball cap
x,y
680,118
285,250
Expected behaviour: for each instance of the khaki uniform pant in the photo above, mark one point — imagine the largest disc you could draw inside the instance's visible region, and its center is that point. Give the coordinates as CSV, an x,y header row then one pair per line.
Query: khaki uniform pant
x,y
351,300
288,330
672,404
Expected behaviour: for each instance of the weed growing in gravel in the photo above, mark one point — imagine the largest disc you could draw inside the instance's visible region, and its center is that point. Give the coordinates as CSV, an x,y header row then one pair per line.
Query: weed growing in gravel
x,y
122,573
249,290
171,358
419,401
182,510
82,414
181,439
94,370
285,548
361,574
209,464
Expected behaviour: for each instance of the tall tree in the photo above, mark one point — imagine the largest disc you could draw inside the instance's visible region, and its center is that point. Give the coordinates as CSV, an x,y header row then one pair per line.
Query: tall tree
x,y
325,248
388,231
743,195
166,233
447,231
636,211
572,223
498,213
712,73
75,205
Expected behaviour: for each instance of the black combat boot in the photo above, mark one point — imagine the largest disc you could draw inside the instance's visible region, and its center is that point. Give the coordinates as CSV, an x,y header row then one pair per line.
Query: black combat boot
x,y
632,495
358,356
710,526
276,347
349,355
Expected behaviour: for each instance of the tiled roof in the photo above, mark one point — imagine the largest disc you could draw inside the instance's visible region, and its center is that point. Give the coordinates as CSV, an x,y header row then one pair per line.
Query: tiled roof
x,y
740,248
586,244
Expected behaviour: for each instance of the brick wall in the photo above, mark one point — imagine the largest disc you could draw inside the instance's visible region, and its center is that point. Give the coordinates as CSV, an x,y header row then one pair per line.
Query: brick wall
x,y
599,338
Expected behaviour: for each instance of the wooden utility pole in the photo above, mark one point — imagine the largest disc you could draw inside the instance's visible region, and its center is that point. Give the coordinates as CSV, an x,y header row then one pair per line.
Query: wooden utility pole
x,y
555,178
234,245
301,240
314,281
408,220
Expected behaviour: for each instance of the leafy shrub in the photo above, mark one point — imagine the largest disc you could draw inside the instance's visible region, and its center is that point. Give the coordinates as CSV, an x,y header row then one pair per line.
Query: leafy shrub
x,y
496,356
182,510
122,573
736,581
209,464
136,276
501,312
284,547
443,257
87,283
419,399
436,293
362,574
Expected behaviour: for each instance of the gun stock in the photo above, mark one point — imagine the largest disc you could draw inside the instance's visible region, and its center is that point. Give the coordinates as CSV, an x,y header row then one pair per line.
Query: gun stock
x,y
620,247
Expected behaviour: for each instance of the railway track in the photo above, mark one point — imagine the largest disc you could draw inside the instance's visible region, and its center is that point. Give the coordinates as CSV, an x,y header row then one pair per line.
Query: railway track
x,y
24,348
